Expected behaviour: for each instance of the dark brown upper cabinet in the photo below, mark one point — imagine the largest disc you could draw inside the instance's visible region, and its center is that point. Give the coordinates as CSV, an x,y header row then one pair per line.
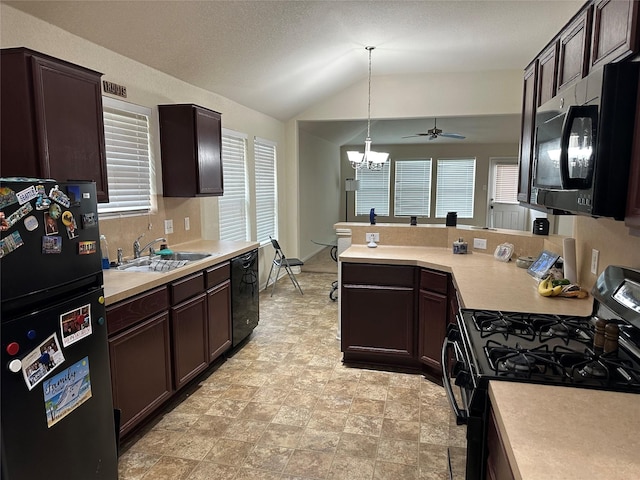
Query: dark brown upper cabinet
x,y
573,62
548,73
51,119
190,142
615,35
529,99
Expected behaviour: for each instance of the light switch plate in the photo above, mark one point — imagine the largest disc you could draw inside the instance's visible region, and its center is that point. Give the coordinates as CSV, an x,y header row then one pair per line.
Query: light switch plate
x,y
168,226
187,223
595,254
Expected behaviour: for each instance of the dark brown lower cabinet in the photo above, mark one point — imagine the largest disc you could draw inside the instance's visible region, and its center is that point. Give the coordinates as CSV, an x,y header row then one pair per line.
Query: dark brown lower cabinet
x,y
378,314
219,319
433,315
140,370
189,339
498,466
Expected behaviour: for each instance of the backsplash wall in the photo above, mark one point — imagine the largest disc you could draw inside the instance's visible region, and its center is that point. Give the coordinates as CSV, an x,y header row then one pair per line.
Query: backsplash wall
x,y
121,232
611,238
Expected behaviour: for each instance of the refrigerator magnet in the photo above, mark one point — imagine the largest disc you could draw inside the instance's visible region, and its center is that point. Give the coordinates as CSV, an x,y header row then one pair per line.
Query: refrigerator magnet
x,y
22,212
26,195
7,197
59,196
9,243
66,391
50,224
89,220
73,191
4,225
87,247
75,325
41,361
51,244
31,223
55,211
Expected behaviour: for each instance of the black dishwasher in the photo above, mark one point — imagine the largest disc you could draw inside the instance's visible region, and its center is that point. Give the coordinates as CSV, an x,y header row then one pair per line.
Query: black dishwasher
x,y
245,308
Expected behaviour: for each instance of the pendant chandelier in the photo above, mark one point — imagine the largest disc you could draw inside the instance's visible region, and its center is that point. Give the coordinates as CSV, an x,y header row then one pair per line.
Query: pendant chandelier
x,y
369,159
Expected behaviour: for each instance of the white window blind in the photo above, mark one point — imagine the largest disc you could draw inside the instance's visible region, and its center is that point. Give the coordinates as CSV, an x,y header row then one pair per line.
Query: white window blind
x,y
266,196
506,183
412,192
455,187
126,132
233,205
373,191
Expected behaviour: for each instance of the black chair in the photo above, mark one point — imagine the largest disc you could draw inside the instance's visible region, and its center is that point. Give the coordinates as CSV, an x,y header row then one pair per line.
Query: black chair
x,y
280,261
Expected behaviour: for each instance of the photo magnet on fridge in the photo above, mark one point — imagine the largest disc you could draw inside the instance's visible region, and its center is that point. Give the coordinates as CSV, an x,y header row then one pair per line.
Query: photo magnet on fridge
x,y
73,191
41,361
75,325
7,197
66,391
51,244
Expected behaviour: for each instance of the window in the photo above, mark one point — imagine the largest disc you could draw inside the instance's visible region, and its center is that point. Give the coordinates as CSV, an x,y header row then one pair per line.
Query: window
x,y
412,188
126,134
455,187
506,183
266,196
373,191
233,205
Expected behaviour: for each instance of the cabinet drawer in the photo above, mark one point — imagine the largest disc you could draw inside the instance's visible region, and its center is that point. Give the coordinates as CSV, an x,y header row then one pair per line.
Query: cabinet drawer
x,y
369,274
434,281
138,308
217,274
187,287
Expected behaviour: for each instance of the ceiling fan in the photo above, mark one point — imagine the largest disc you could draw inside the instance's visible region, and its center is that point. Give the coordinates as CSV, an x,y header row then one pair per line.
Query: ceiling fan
x,y
435,132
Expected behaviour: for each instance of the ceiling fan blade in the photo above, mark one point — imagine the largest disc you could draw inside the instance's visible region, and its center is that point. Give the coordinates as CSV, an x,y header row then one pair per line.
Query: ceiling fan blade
x,y
418,135
453,135
411,136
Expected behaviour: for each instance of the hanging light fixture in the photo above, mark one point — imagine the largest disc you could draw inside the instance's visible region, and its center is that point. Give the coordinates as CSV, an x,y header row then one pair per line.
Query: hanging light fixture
x,y
369,159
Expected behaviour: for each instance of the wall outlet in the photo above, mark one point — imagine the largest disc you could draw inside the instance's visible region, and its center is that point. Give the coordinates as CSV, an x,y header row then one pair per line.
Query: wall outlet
x,y
594,261
369,237
168,226
480,243
187,224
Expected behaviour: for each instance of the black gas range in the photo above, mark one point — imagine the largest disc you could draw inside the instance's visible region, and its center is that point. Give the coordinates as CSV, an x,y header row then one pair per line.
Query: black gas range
x,y
601,351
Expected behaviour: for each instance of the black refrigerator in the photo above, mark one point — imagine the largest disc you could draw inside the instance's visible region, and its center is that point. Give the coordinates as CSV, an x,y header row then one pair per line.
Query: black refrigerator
x,y
56,405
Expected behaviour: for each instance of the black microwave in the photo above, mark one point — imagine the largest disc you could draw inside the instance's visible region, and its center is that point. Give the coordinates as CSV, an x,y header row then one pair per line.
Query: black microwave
x,y
582,144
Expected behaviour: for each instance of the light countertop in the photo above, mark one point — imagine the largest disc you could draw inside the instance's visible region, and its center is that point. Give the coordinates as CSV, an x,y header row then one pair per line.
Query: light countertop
x,y
482,281
565,433
120,284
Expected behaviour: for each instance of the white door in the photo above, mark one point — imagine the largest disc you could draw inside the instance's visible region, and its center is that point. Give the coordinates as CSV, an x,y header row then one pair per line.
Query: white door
x,y
504,210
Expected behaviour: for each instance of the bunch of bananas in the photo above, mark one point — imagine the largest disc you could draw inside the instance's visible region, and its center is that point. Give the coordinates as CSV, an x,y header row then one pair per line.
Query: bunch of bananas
x,y
547,289
550,287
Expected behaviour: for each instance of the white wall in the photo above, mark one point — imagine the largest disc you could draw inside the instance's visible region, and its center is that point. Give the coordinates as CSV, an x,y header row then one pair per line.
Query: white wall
x,y
319,180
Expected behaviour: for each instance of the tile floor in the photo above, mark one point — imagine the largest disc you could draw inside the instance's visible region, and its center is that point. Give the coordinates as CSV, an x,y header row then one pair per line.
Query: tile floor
x,y
285,407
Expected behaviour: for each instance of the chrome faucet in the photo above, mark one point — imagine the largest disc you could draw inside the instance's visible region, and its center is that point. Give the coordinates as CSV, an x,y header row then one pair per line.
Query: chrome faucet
x,y
137,249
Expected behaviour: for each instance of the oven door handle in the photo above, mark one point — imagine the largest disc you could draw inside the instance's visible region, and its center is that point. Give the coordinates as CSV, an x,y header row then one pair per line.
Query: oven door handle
x,y
461,415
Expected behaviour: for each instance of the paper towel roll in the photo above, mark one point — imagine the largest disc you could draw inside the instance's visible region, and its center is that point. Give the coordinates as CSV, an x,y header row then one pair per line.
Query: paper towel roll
x,y
569,256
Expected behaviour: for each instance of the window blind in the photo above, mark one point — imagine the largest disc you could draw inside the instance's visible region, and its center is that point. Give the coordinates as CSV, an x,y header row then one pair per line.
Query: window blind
x,y
233,205
266,197
455,187
412,195
373,191
506,183
126,132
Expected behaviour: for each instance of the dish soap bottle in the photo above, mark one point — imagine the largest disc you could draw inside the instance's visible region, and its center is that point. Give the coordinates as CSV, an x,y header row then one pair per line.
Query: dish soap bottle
x,y
104,252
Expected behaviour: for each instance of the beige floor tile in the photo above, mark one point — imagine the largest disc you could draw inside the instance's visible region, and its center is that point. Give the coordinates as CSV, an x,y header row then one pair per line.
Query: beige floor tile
x,y
267,457
307,463
400,429
260,411
210,471
398,451
319,440
355,445
133,465
281,435
170,468
229,452
394,471
367,406
351,468
363,425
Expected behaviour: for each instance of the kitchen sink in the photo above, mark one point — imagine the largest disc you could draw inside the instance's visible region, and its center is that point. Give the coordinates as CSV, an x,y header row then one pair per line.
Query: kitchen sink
x,y
161,263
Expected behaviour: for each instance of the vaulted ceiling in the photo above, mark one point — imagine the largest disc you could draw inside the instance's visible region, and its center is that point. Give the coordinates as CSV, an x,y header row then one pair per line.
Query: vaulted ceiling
x,y
281,57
